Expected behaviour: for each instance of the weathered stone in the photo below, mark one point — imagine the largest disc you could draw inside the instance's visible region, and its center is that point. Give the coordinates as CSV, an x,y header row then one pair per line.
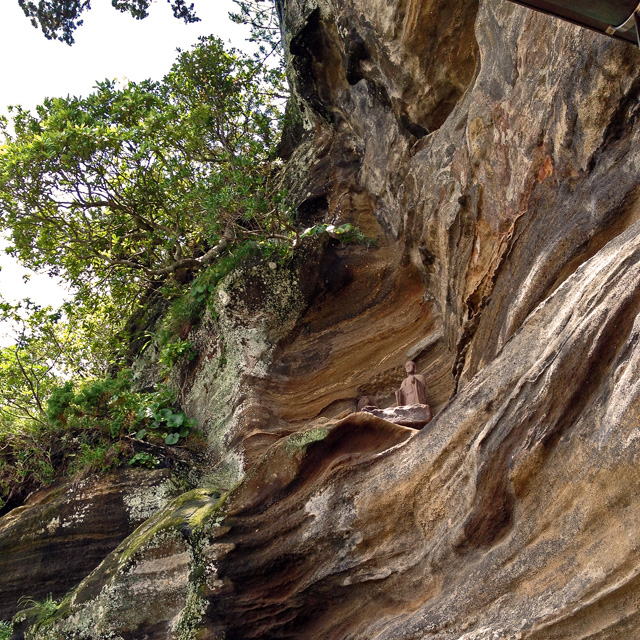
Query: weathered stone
x,y
62,533
415,416
161,582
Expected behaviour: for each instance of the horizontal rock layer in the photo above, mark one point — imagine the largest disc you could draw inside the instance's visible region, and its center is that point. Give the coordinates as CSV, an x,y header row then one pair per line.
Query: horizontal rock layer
x,y
62,533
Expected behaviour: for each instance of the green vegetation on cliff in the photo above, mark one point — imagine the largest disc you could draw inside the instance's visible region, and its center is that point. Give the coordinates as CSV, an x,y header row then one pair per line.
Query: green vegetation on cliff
x,y
127,195
146,181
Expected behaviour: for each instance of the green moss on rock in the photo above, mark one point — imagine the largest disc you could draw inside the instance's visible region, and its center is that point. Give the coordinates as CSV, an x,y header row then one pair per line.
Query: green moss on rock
x,y
161,562
300,441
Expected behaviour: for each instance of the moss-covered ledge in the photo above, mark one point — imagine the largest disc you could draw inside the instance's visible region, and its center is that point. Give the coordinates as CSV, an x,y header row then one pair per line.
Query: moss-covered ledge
x,y
151,581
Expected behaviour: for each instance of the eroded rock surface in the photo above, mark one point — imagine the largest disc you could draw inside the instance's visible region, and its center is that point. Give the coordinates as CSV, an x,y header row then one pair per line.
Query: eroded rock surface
x,y
161,581
62,533
415,416
494,154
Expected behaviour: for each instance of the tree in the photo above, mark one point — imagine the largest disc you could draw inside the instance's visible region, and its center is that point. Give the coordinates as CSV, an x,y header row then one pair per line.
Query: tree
x,y
136,186
58,19
263,21
27,367
137,183
51,346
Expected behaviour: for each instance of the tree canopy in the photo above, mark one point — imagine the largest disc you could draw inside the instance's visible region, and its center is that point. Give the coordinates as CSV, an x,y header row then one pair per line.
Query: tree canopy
x,y
126,194
58,19
137,182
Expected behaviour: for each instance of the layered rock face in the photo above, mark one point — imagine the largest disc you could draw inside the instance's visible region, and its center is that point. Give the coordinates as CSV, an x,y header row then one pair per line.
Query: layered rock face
x,y
62,533
493,152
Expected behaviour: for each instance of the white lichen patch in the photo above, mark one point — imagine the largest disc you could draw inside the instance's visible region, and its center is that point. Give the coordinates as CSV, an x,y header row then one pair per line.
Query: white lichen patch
x,y
226,474
304,439
212,553
77,517
53,525
486,633
143,502
122,602
318,506
249,312
176,564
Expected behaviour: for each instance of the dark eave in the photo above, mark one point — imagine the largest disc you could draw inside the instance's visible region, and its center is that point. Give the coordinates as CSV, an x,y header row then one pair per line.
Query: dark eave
x,y
615,18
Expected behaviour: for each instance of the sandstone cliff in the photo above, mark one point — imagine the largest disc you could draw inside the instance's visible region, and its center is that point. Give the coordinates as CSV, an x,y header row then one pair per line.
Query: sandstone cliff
x,y
492,152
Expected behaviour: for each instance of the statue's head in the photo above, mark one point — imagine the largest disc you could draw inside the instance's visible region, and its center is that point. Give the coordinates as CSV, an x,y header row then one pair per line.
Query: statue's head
x,y
410,367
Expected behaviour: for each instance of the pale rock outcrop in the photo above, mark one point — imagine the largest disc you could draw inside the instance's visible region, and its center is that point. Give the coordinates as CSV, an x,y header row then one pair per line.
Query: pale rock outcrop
x,y
62,533
415,416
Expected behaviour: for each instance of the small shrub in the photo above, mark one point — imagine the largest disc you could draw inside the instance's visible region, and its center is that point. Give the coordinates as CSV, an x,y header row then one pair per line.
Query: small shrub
x,y
42,608
111,406
144,459
164,422
91,427
174,351
60,399
107,404
101,458
39,611
183,312
25,460
6,630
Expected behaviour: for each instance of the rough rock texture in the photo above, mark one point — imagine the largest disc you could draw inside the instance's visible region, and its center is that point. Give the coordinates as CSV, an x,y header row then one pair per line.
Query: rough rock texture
x,y
415,416
158,583
62,533
494,153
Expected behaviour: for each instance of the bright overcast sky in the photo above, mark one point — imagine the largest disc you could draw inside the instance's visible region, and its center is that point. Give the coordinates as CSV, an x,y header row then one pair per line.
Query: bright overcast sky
x,y
108,45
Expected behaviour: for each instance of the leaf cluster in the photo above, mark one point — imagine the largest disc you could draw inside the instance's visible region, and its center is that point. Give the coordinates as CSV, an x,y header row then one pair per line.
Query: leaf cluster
x,y
58,19
112,407
263,21
139,183
173,351
90,427
6,630
164,422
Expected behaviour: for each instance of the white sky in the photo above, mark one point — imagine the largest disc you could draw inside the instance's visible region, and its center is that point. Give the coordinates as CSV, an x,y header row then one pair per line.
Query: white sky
x,y
108,45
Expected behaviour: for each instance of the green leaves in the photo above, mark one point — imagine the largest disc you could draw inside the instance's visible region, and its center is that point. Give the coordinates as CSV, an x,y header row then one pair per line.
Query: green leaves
x,y
144,459
174,351
135,183
110,405
58,19
262,19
